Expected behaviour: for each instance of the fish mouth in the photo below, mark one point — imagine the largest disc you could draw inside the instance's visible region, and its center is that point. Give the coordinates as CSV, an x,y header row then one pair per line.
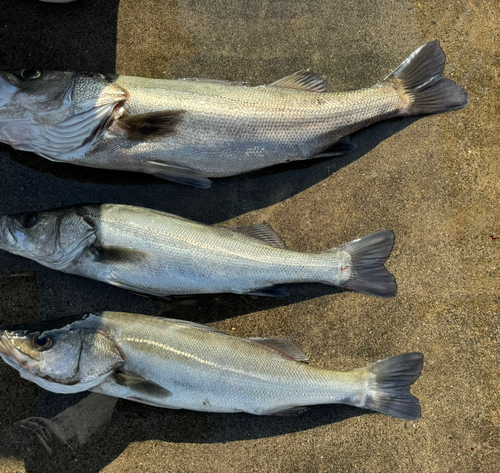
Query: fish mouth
x,y
9,354
7,90
7,237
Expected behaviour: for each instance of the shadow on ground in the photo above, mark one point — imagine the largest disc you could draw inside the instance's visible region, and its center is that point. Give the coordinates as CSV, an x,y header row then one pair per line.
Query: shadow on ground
x,y
34,438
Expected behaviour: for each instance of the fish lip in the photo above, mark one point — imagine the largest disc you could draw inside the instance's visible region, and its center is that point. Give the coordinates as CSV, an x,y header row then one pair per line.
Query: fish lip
x,y
7,90
7,349
7,238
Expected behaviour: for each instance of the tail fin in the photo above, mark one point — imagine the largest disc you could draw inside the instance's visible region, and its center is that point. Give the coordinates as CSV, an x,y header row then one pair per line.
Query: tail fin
x,y
368,273
388,390
421,80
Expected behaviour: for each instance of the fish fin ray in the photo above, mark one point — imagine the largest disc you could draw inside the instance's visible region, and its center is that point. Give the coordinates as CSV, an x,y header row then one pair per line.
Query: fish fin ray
x,y
216,81
179,174
420,77
263,232
141,387
288,412
368,273
195,325
151,126
135,290
388,390
117,254
304,80
342,146
272,291
283,346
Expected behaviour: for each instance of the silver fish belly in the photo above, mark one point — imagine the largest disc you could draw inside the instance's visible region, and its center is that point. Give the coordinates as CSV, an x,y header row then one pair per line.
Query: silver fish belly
x,y
184,365
190,130
156,253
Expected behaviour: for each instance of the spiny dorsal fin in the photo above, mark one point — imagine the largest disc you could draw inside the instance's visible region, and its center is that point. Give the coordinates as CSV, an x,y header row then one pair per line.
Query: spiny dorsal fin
x,y
141,387
195,325
151,126
283,346
216,81
263,232
304,80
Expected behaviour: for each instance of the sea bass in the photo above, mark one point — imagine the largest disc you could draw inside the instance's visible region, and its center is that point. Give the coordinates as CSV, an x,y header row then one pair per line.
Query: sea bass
x,y
189,130
183,365
160,254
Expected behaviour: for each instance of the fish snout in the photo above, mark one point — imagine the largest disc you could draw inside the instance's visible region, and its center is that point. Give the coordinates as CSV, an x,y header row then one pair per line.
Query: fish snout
x,y
7,90
6,237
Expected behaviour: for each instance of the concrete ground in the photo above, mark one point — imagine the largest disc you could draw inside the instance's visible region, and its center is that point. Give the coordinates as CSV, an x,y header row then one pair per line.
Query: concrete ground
x,y
435,181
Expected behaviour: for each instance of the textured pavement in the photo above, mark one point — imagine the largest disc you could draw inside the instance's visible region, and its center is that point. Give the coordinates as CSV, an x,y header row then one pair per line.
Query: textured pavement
x,y
434,180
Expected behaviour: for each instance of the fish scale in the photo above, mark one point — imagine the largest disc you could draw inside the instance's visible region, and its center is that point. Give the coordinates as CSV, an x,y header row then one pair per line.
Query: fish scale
x,y
152,252
189,130
184,365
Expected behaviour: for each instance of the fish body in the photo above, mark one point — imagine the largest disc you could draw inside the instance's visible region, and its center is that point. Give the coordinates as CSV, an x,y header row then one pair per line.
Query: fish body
x,y
183,365
189,130
156,253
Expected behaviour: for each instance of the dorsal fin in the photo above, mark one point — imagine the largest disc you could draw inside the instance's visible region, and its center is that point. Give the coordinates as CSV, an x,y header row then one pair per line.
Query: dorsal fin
x,y
216,81
263,232
195,325
304,80
283,346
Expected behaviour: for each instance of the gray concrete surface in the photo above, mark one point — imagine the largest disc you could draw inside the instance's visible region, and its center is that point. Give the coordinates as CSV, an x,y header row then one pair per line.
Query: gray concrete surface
x,y
435,181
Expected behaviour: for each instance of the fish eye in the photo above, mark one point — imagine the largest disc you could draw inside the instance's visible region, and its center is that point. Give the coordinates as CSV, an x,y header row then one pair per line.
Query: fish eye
x,y
28,220
42,343
30,74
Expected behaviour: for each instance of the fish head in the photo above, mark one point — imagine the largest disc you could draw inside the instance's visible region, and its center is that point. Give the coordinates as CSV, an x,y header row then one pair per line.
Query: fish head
x,y
72,354
54,238
54,112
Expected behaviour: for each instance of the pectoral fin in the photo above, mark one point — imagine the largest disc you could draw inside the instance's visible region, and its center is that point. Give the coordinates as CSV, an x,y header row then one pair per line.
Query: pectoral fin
x,y
141,388
117,254
151,126
180,174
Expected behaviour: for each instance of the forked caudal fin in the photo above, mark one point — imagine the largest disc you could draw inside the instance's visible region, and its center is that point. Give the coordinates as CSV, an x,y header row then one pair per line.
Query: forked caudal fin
x,y
388,386
420,81
368,273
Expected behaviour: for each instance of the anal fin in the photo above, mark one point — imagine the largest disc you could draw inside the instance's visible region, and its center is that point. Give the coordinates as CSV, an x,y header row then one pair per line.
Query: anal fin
x,y
179,174
343,146
289,412
271,291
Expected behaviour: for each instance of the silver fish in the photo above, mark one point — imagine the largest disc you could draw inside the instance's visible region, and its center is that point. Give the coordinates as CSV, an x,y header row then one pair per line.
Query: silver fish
x,y
160,254
184,365
189,130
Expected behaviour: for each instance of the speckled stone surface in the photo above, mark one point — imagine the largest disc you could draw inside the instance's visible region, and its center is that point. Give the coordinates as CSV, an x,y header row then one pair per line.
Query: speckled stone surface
x,y
434,180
